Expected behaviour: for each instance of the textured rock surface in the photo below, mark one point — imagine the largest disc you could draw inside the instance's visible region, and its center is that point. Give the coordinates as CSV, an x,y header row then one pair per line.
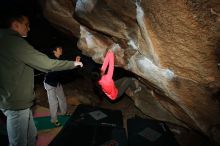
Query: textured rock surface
x,y
170,45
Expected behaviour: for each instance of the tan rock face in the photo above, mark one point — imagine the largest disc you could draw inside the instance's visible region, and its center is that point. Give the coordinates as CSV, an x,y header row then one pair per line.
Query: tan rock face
x,y
60,14
169,44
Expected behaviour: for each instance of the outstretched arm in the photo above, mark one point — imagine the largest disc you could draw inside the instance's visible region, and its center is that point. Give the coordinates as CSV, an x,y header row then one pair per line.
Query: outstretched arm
x,y
105,63
108,61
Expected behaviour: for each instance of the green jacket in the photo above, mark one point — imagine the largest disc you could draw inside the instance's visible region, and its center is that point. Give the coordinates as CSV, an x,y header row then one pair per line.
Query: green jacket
x,y
18,59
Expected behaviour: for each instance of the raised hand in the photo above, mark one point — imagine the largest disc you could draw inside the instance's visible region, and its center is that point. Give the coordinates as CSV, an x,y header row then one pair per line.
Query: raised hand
x,y
77,63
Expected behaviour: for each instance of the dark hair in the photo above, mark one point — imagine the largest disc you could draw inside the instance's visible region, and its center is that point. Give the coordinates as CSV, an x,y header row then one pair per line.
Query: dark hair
x,y
96,76
7,19
54,48
51,50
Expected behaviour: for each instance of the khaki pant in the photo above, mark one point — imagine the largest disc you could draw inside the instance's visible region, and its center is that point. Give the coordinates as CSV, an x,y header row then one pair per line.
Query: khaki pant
x,y
56,98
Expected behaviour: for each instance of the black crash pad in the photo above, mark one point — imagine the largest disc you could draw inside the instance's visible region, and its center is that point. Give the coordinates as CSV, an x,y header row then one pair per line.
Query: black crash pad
x,y
92,126
147,132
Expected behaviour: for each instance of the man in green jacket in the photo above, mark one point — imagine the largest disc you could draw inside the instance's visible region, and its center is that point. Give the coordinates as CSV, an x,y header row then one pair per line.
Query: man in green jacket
x,y
18,60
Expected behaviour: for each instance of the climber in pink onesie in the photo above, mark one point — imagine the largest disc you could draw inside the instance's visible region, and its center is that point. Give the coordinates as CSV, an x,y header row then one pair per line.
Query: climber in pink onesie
x,y
113,90
106,81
